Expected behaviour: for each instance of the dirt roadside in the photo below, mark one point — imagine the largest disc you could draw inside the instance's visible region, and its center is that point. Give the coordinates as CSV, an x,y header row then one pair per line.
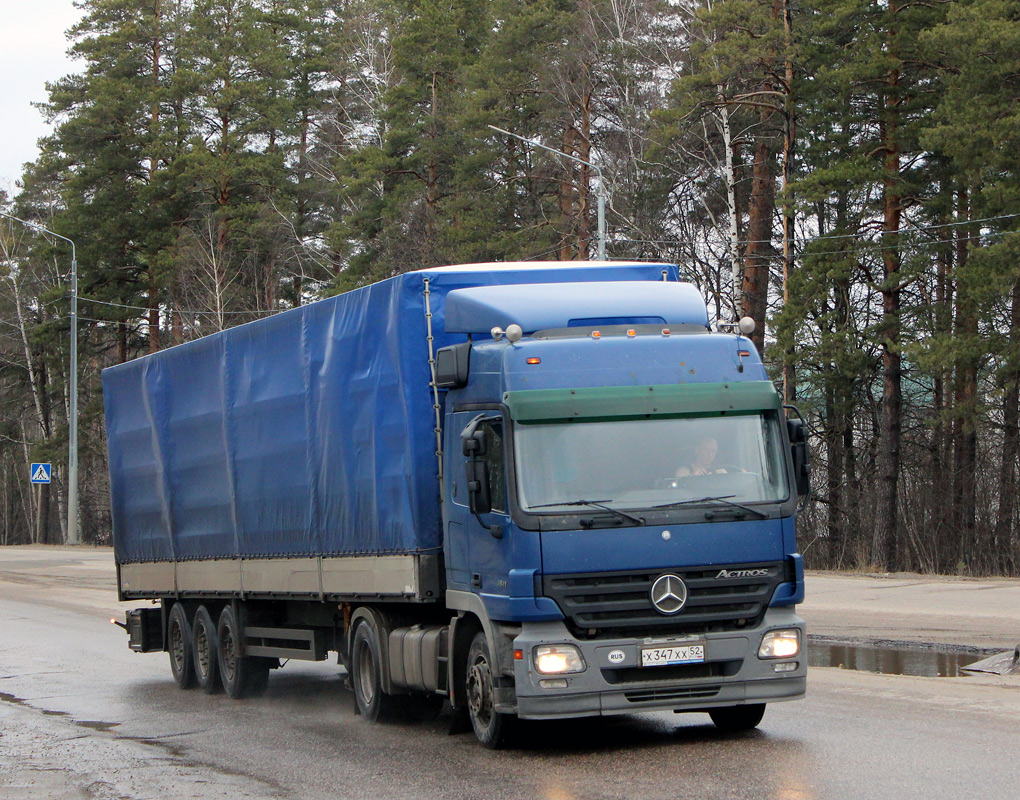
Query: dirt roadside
x,y
901,607
981,613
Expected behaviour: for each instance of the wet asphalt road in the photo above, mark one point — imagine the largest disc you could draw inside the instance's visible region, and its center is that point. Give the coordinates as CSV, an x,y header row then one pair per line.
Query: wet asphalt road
x,y
81,716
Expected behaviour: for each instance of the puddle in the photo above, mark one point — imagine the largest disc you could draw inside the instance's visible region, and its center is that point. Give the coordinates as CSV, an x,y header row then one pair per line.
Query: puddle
x,y
97,725
892,658
92,724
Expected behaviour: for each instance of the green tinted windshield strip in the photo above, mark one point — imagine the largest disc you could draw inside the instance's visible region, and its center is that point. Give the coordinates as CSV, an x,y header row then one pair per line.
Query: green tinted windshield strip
x,y
635,402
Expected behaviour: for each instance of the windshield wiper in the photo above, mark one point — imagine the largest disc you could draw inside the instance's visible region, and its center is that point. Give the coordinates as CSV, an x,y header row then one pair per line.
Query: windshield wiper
x,y
724,499
595,504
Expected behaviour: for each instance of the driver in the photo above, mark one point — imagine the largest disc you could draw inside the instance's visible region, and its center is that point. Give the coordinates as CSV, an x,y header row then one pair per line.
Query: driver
x,y
704,459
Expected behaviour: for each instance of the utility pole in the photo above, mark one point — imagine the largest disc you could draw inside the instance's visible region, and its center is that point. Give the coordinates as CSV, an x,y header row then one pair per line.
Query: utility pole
x,y
72,436
600,187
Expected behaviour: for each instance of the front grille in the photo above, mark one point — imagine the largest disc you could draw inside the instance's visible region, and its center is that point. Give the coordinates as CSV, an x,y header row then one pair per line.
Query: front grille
x,y
658,695
618,604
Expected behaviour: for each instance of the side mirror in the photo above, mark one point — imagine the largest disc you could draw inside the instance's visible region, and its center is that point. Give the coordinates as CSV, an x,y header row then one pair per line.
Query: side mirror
x,y
472,441
797,431
479,499
453,365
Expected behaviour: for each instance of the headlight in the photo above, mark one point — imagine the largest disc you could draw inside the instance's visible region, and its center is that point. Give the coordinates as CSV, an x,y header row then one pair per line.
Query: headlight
x,y
780,644
557,659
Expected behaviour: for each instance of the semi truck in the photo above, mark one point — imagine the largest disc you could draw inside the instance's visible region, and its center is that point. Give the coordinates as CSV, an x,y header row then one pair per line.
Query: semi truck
x,y
535,490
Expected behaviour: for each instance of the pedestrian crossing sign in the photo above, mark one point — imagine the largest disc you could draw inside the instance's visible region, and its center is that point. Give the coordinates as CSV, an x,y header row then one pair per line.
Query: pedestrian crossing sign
x,y
40,473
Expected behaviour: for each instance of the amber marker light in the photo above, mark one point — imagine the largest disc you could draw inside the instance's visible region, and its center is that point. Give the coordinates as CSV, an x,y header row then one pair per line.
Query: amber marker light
x,y
533,360
632,332
666,331
596,334
518,655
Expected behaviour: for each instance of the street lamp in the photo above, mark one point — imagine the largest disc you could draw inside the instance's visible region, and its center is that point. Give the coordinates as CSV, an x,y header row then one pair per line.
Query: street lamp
x,y
72,436
600,187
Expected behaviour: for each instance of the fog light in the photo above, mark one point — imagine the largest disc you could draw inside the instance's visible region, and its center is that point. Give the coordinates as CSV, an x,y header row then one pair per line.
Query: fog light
x,y
780,644
553,683
557,659
786,666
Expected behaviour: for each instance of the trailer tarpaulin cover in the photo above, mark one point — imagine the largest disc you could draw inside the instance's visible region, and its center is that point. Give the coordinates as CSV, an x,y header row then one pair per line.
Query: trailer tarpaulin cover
x,y
311,432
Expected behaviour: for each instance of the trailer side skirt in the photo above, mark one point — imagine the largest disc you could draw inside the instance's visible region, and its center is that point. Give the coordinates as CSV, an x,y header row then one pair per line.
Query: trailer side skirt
x,y
397,577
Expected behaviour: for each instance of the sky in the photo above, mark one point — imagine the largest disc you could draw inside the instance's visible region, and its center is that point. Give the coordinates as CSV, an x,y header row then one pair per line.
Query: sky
x,y
32,52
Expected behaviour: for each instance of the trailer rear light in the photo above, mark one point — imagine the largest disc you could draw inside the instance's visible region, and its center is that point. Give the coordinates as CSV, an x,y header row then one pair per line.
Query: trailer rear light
x,y
533,360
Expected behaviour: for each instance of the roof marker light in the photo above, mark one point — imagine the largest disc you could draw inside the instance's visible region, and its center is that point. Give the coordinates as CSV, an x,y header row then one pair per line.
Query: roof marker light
x,y
533,360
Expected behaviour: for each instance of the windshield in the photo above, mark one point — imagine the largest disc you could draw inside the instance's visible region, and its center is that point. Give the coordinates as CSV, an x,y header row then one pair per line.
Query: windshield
x,y
642,464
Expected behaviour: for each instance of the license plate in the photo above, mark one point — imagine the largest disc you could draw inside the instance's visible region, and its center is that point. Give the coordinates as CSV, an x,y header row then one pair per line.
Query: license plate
x,y
675,654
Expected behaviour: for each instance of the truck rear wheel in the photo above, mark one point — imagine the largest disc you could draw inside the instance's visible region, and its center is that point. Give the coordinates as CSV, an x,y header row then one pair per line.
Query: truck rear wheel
x,y
492,728
738,718
206,651
178,637
366,675
242,676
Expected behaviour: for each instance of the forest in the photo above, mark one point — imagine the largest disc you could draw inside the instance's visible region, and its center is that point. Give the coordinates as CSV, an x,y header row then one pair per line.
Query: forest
x,y
846,172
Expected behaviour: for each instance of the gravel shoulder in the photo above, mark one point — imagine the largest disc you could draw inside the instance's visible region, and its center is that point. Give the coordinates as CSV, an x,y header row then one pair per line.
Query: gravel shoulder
x,y
903,607
964,612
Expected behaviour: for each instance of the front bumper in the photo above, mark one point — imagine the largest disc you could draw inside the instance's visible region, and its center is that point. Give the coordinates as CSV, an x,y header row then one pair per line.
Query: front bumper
x,y
731,675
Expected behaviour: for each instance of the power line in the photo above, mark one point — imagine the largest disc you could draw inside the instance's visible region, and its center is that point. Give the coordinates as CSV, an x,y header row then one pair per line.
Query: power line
x,y
863,245
181,310
858,236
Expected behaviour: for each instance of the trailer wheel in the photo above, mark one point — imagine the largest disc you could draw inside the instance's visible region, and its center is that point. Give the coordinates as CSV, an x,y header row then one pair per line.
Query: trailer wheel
x,y
206,651
178,636
492,728
738,718
366,665
242,676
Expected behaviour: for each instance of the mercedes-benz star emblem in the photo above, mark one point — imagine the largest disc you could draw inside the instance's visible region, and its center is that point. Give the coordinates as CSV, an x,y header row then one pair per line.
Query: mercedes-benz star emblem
x,y
669,594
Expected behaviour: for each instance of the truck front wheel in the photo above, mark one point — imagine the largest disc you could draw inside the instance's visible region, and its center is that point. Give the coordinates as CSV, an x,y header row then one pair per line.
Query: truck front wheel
x,y
366,666
492,728
206,649
738,718
242,676
178,637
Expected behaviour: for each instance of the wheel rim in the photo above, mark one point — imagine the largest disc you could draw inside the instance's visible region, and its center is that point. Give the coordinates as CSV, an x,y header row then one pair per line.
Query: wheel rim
x,y
479,691
177,647
366,672
202,648
229,656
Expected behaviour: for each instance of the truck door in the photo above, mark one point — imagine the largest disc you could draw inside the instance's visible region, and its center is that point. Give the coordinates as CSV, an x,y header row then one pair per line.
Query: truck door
x,y
481,523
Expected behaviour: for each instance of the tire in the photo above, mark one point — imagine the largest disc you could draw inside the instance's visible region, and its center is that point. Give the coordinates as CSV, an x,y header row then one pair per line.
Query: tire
x,y
735,719
178,638
206,649
366,676
492,729
242,676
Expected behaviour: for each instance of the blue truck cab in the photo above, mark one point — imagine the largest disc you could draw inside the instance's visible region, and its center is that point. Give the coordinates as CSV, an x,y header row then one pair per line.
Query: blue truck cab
x,y
616,572
538,490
